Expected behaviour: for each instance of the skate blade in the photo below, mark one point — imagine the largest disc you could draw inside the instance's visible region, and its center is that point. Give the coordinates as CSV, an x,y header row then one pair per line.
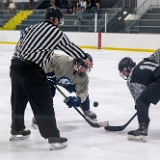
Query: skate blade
x,y
93,120
137,138
56,146
18,137
35,126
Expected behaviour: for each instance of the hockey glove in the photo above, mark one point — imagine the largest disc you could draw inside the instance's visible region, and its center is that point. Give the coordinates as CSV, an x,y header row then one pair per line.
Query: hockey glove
x,y
73,101
51,79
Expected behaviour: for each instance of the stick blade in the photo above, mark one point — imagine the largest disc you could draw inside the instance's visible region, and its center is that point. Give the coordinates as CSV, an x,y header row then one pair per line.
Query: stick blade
x,y
99,124
119,128
114,128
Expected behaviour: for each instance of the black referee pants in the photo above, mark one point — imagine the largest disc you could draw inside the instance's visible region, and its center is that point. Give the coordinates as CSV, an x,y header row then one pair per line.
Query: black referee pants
x,y
29,83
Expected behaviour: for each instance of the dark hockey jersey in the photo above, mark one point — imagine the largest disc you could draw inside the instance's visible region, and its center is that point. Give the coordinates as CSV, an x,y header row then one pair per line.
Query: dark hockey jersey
x,y
143,74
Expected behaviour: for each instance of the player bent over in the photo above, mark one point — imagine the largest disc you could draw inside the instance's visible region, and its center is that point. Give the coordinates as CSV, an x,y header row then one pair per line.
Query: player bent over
x,y
143,81
73,78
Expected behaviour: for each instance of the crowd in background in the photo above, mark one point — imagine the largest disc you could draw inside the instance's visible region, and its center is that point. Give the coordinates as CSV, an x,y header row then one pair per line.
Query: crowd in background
x,y
72,6
83,6
11,5
80,7
75,7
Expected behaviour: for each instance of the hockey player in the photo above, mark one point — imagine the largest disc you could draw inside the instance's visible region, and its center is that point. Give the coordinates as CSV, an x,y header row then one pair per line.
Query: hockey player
x,y
28,79
73,78
143,81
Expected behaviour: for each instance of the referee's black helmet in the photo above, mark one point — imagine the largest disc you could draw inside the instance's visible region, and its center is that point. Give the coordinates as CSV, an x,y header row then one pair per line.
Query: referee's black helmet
x,y
53,12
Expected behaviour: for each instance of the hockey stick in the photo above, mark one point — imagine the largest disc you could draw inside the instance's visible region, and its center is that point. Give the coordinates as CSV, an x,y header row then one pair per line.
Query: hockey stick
x,y
96,125
119,128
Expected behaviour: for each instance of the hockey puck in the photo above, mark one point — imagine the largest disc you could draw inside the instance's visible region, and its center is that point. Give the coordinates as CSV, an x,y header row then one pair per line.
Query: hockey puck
x,y
95,104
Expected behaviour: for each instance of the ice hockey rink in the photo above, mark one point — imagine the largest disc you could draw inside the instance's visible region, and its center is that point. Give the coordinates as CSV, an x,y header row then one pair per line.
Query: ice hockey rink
x,y
84,142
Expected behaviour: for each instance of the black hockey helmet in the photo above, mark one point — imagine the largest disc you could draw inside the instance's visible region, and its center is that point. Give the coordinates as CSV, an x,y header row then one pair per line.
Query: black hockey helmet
x,y
53,12
81,62
125,64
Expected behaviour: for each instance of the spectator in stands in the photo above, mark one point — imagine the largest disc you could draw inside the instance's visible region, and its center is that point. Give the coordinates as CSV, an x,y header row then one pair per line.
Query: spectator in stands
x,y
11,8
75,7
70,7
89,5
83,6
52,2
31,4
95,6
79,15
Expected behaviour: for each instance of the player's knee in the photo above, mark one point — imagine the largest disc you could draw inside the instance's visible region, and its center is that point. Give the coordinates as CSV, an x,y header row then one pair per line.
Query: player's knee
x,y
142,103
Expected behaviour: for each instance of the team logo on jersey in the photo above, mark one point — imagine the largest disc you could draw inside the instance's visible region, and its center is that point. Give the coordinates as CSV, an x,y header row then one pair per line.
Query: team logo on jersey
x,y
64,80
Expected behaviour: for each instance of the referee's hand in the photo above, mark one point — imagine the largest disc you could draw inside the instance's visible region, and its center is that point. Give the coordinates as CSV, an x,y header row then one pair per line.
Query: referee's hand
x,y
88,63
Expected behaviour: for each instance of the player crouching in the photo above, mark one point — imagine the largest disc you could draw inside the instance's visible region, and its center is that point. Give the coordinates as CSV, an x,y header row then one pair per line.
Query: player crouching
x,y
71,74
143,81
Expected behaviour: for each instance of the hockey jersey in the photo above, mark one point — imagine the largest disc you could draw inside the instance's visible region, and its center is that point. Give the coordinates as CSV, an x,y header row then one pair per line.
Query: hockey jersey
x,y
143,74
62,66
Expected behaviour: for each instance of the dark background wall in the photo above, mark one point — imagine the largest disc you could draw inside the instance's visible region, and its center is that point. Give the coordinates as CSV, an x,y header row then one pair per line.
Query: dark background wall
x,y
63,3
43,4
111,3
108,3
104,3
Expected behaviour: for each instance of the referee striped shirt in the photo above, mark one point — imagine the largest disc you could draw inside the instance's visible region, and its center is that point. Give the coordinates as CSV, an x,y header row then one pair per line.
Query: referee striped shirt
x,y
38,42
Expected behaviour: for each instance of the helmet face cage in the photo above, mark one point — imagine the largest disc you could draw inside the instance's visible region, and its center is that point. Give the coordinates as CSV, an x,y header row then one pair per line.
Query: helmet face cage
x,y
123,76
125,64
80,63
53,12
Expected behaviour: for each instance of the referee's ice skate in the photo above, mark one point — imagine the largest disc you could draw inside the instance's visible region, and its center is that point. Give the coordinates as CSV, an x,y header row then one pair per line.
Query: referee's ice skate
x,y
57,143
140,134
20,135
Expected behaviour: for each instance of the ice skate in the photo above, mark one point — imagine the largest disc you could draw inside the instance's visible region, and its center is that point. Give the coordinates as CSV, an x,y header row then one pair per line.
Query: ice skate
x,y
57,143
140,134
20,135
90,115
34,123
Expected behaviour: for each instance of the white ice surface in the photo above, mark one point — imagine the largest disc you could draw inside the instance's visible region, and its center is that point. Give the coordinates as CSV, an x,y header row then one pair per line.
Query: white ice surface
x,y
84,142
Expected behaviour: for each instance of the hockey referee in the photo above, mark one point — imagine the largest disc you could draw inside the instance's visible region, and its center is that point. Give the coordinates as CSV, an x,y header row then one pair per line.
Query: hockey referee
x,y
28,79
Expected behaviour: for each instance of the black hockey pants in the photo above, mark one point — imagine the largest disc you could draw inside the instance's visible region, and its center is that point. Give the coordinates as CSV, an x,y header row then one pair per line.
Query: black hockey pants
x,y
150,95
29,83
